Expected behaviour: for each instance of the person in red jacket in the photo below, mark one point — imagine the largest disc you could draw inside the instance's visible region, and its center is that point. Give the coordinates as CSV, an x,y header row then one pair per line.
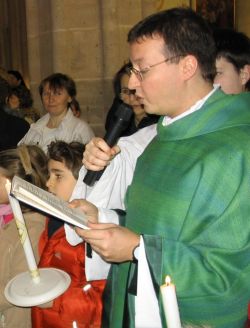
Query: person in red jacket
x,y
82,302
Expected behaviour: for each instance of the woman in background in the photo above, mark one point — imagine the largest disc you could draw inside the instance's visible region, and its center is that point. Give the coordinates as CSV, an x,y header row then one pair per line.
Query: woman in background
x,y
12,128
140,119
57,92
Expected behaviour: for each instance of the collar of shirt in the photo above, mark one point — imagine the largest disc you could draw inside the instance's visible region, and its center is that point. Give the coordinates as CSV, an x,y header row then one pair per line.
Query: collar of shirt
x,y
168,120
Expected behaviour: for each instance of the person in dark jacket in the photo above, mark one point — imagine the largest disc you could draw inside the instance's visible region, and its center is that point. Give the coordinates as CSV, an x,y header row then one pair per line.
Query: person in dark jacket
x,y
140,119
12,128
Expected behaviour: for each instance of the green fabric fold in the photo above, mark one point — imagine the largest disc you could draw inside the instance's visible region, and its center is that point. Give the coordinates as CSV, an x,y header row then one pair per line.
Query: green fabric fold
x,y
190,198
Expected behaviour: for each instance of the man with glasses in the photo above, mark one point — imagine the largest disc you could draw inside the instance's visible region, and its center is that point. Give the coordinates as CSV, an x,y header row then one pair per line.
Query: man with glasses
x,y
188,205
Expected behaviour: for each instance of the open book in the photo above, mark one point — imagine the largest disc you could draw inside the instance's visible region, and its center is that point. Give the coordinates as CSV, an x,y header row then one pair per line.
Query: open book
x,y
46,202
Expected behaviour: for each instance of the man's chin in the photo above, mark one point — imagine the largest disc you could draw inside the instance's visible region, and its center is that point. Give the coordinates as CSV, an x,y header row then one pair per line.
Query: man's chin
x,y
149,109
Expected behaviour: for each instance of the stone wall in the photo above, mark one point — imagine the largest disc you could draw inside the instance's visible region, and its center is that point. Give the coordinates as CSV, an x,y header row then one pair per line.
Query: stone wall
x,y
87,40
242,16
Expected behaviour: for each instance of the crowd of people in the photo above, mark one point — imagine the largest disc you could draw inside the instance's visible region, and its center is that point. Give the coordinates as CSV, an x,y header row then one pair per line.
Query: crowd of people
x,y
173,198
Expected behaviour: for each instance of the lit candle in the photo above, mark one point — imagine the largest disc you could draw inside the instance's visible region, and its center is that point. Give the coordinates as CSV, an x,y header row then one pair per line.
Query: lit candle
x,y
75,324
170,304
23,234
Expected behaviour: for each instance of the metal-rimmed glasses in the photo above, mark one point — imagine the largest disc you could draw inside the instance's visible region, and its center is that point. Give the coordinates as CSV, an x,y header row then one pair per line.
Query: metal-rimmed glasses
x,y
140,73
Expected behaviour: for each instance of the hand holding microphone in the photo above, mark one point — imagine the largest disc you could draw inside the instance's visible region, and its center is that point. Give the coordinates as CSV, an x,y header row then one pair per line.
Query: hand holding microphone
x,y
123,117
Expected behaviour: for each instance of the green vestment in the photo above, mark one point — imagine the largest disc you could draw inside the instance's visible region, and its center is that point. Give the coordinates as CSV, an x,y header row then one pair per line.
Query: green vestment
x,y
190,198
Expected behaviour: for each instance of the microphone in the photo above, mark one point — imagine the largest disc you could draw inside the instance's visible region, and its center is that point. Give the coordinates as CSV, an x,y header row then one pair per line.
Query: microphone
x,y
123,117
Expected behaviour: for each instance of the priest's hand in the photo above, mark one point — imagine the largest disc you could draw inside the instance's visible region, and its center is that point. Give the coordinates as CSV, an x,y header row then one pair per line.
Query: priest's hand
x,y
98,154
89,209
112,242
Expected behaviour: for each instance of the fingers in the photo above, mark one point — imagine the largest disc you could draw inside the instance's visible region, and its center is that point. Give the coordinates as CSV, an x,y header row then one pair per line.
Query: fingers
x,y
98,231
75,203
98,154
102,226
89,209
112,242
115,150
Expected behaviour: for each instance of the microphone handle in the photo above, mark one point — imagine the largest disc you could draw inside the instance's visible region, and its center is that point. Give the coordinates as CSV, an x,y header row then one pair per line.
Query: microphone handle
x,y
92,176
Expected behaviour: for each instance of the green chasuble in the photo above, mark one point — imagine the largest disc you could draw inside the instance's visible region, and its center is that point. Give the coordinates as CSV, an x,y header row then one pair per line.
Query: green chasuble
x,y
190,199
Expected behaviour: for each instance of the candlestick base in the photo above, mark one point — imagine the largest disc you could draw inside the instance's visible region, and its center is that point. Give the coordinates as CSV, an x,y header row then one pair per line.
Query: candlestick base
x,y
23,291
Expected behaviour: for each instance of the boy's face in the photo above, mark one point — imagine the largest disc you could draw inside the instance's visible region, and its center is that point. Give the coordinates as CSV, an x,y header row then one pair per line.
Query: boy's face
x,y
227,76
61,181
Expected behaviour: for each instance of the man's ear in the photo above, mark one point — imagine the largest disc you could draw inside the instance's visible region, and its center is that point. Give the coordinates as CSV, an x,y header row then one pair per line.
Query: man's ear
x,y
245,74
189,66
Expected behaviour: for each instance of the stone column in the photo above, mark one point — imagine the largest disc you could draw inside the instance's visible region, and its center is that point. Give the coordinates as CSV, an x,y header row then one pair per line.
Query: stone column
x,y
39,38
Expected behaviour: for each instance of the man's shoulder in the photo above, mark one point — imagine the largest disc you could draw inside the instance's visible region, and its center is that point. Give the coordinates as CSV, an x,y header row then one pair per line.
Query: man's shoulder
x,y
224,110
143,136
242,98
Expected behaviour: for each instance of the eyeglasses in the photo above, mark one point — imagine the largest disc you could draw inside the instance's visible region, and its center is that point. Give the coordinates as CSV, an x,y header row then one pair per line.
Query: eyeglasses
x,y
127,92
140,73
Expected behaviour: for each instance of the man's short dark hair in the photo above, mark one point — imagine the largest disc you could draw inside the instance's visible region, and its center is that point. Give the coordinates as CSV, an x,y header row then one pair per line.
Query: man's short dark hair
x,y
184,33
234,46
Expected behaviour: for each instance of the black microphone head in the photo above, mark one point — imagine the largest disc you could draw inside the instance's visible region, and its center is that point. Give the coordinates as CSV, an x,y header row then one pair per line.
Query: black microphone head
x,y
124,112
123,116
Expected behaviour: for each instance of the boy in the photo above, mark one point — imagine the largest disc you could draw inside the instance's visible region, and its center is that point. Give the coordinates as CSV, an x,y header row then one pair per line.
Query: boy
x,y
232,61
82,301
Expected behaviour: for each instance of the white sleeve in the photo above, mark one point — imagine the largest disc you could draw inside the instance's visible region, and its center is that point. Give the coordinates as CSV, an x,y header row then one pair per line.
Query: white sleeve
x,y
109,192
95,267
79,192
146,303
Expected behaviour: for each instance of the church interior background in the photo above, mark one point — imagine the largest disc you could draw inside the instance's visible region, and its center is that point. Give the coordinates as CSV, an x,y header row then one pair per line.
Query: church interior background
x,y
85,39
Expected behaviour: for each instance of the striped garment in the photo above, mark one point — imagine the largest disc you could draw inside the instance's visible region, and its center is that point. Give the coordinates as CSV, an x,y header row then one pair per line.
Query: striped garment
x,y
190,198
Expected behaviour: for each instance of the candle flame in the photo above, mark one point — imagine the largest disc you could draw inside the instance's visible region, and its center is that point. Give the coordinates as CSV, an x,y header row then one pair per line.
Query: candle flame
x,y
8,185
168,280
75,324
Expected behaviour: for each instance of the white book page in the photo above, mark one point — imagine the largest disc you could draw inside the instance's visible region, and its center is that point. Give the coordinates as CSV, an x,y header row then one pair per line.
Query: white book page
x,y
36,197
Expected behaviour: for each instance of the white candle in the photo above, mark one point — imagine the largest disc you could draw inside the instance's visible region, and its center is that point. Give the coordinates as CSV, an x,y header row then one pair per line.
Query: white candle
x,y
75,324
170,304
24,237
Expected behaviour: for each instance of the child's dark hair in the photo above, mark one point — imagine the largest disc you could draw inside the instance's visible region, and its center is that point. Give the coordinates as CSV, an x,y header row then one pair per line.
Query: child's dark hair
x,y
234,46
26,161
68,153
18,76
24,96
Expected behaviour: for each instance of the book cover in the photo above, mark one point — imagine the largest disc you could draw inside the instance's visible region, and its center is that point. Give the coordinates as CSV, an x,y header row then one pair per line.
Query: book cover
x,y
46,202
